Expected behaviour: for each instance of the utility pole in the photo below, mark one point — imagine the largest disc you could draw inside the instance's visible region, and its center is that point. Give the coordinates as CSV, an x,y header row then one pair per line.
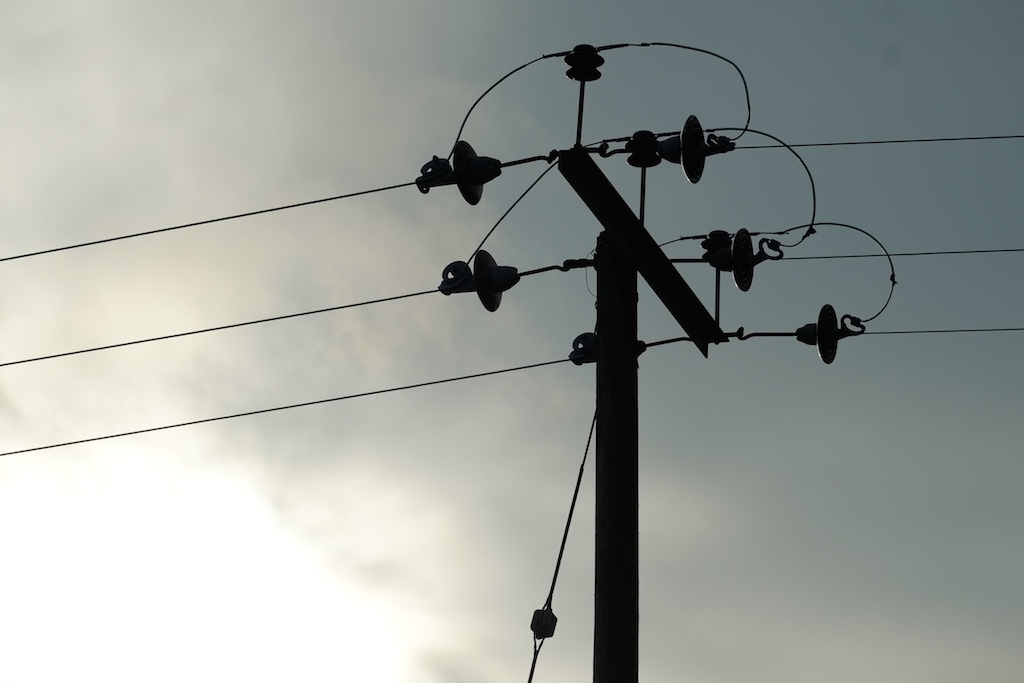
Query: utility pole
x,y
616,561
625,249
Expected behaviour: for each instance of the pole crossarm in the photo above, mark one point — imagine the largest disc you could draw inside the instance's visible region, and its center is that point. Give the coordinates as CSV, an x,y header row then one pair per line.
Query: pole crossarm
x,y
612,211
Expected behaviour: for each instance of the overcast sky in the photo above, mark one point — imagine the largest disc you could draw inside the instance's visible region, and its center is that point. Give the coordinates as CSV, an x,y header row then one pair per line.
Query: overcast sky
x,y
800,522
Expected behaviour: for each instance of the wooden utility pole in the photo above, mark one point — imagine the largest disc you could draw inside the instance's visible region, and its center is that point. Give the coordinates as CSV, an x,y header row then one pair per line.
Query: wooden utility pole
x,y
616,570
624,249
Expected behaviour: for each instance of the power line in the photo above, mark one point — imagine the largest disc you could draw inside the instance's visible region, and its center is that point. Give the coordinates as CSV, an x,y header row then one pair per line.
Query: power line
x,y
810,176
544,619
370,302
215,329
957,252
350,195
945,252
509,210
965,138
208,221
602,48
564,267
465,120
401,296
291,406
743,336
949,331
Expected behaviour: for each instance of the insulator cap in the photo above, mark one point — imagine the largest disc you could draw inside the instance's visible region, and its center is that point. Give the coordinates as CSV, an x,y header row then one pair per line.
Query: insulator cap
x,y
473,171
689,149
492,279
718,250
743,260
825,334
692,149
584,62
644,148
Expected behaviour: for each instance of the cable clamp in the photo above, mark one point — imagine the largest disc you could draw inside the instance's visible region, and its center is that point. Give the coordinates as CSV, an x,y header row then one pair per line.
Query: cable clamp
x,y
435,173
457,277
851,326
572,263
543,623
771,244
719,144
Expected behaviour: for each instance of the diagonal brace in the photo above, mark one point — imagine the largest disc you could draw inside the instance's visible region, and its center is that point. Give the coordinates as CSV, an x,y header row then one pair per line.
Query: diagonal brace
x,y
611,210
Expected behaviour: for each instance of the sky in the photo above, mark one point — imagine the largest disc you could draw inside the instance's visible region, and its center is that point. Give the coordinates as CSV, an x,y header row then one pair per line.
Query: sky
x,y
799,521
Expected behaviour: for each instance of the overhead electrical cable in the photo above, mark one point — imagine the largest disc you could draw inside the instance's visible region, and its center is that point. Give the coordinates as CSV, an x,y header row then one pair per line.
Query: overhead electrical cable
x,y
216,328
958,252
746,90
963,138
465,119
572,510
810,176
885,252
509,210
545,616
305,404
941,252
553,163
948,331
207,221
563,267
966,330
602,48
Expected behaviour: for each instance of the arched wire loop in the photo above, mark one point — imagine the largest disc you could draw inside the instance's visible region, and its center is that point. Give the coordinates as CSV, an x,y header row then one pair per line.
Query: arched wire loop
x,y
465,120
746,90
602,48
810,231
810,176
724,144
